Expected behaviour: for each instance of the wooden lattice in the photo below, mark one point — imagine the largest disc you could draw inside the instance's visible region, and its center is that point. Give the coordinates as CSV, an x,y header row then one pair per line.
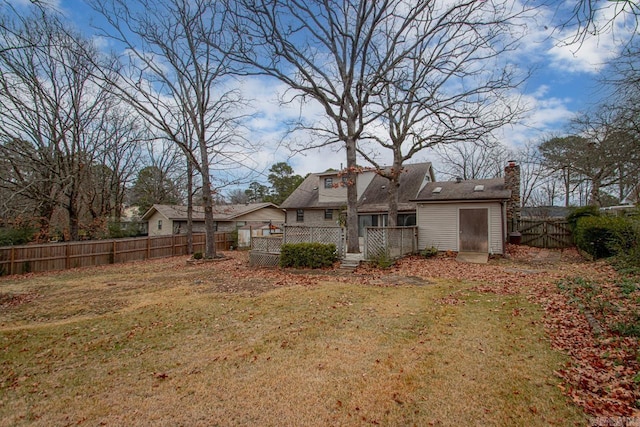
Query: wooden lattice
x,y
266,244
263,259
324,235
392,242
265,251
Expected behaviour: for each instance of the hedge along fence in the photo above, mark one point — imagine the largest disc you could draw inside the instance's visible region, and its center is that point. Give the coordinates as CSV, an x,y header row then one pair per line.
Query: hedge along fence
x,y
63,256
312,255
605,236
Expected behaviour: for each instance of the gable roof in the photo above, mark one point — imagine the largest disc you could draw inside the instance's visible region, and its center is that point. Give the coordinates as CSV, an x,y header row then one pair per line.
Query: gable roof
x,y
376,198
220,212
373,199
467,190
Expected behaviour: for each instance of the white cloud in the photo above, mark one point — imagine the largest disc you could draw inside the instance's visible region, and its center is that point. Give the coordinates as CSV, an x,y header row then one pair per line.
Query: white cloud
x,y
589,57
545,116
574,54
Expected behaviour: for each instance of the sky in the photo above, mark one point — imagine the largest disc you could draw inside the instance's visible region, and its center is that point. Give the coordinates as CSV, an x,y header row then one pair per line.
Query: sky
x,y
564,81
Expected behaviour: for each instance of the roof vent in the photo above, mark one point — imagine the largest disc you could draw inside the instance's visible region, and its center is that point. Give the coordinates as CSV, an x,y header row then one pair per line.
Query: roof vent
x,y
478,188
437,190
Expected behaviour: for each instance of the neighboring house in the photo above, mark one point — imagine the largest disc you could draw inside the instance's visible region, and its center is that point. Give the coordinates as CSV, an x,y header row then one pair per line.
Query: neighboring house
x,y
549,212
321,199
471,215
172,219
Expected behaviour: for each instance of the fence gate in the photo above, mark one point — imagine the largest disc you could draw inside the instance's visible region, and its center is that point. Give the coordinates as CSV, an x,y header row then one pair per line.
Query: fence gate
x,y
550,234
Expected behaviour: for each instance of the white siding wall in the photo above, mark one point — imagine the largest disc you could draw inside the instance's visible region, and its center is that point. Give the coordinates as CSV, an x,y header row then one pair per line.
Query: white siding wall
x,y
438,225
263,215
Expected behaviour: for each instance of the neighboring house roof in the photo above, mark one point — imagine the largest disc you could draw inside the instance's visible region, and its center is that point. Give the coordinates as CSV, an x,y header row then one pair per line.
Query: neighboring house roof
x,y
372,199
220,212
545,212
467,190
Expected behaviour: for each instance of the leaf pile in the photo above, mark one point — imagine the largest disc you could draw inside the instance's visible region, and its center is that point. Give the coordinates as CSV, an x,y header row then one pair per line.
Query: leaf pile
x,y
596,322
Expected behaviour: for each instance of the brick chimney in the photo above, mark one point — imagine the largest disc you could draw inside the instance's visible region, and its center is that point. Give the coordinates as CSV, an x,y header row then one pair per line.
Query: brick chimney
x,y
512,182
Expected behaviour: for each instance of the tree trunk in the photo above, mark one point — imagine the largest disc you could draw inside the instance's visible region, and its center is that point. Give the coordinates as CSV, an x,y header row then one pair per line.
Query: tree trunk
x,y
567,188
207,202
189,206
392,191
74,222
353,241
594,195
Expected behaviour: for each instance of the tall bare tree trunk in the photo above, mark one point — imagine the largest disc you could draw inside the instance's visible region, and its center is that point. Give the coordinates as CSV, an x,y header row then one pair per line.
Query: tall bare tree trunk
x,y
189,206
207,203
353,240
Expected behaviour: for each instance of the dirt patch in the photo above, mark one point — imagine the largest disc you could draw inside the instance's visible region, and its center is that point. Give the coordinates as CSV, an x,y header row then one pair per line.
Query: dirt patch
x,y
8,300
395,279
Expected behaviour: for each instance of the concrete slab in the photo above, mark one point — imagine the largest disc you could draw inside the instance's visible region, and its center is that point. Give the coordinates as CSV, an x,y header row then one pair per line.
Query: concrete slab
x,y
473,257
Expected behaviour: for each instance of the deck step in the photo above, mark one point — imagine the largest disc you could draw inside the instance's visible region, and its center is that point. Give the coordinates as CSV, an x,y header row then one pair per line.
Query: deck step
x,y
351,261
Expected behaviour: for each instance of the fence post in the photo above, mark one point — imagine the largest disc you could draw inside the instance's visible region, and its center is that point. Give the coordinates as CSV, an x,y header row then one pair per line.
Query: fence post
x,y
114,252
148,248
13,260
67,257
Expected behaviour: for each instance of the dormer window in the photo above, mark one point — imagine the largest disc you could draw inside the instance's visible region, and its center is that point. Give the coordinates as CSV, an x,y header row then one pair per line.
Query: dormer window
x,y
328,183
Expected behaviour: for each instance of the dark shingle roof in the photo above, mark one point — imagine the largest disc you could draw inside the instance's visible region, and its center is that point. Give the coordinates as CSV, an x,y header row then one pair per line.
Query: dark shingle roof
x,y
374,198
305,196
493,189
220,212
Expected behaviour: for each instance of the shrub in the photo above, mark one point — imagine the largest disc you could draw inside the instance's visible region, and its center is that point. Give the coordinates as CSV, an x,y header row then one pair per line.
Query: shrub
x,y
120,229
604,236
382,260
197,255
582,212
16,236
307,255
429,252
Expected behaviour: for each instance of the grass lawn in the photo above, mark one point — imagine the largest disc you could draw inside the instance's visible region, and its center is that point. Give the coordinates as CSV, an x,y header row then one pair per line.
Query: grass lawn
x,y
165,343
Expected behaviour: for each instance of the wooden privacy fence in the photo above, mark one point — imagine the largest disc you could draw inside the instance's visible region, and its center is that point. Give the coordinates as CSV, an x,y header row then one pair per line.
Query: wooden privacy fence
x,y
63,256
547,233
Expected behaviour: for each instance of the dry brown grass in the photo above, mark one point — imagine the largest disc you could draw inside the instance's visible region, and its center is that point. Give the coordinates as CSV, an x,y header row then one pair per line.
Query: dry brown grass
x,y
163,343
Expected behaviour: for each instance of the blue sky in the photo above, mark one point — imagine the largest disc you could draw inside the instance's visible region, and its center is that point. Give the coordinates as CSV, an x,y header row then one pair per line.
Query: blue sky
x,y
564,82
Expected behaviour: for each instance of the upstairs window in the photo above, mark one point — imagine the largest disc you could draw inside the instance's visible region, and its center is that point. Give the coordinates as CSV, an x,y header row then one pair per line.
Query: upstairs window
x,y
328,214
328,183
300,215
159,224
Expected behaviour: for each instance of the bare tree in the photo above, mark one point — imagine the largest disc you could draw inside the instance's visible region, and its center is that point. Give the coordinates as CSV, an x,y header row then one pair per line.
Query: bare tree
x,y
450,84
179,83
116,162
51,104
472,160
532,174
329,52
363,61
602,155
588,17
